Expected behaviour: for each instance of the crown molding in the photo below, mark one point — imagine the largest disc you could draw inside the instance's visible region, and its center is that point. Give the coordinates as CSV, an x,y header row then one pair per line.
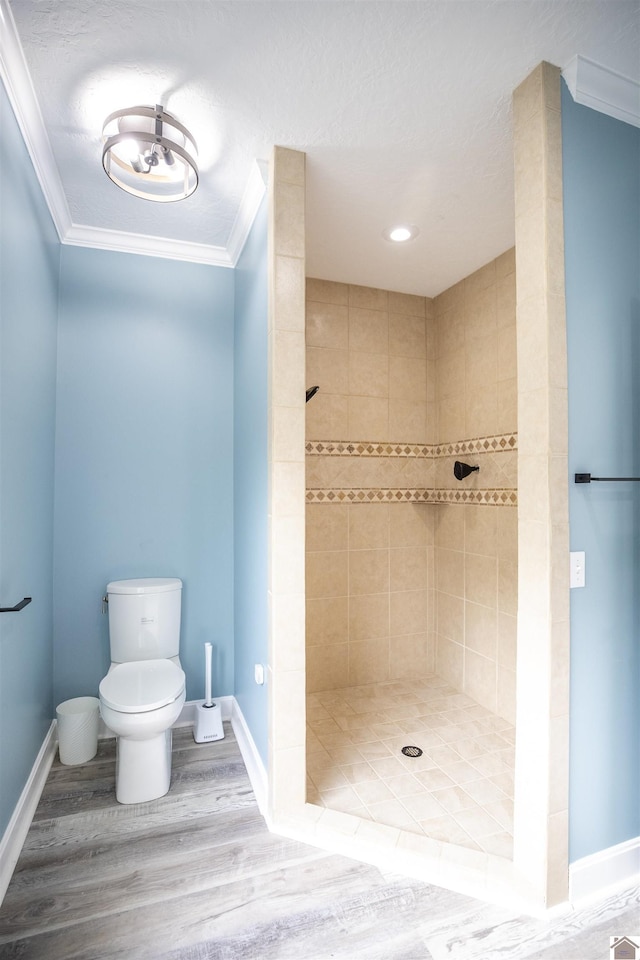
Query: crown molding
x,y
81,235
15,76
249,205
603,89
17,82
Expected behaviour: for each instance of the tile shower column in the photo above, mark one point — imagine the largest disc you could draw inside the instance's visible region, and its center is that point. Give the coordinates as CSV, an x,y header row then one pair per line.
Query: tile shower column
x,y
541,800
286,414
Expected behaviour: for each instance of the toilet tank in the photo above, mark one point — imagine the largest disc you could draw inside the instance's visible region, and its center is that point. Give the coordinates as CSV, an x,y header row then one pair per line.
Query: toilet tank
x,y
144,618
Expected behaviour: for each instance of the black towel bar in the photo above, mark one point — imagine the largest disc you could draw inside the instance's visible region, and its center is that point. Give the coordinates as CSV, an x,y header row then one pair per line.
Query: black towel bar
x,y
587,478
17,607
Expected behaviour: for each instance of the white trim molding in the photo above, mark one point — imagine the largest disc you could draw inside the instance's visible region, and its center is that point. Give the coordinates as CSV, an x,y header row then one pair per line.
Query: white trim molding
x,y
18,827
22,97
603,89
16,78
616,866
252,759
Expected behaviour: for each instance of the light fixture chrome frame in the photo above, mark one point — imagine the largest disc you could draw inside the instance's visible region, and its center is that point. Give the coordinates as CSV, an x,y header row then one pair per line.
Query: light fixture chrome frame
x,y
152,138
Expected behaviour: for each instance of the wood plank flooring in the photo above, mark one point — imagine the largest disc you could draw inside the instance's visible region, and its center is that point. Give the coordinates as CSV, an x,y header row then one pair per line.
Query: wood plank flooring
x,y
197,876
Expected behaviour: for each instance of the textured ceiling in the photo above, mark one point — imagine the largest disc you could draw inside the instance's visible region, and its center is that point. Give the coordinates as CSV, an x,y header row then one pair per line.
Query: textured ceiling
x,y
403,110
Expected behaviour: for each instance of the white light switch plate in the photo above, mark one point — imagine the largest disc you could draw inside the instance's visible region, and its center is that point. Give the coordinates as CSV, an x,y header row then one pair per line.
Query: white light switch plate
x,y
577,564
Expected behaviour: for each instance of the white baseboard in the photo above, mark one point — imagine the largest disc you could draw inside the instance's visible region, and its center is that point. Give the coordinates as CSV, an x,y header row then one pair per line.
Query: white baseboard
x,y
17,828
614,867
252,759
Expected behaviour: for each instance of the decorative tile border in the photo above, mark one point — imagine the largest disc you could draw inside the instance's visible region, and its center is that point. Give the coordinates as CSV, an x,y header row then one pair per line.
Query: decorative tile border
x,y
364,448
367,448
497,444
496,497
501,497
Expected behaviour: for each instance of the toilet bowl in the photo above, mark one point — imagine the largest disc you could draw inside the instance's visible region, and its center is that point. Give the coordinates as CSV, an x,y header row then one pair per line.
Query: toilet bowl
x,y
140,701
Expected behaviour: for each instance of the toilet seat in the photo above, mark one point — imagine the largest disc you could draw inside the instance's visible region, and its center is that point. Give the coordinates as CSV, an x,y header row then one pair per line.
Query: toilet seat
x,y
142,685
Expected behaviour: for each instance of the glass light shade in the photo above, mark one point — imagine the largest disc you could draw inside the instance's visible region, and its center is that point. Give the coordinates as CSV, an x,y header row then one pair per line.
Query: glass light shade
x,y
150,154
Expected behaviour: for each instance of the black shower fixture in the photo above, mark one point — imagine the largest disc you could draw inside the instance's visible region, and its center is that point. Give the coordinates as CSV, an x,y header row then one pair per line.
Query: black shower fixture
x,y
311,392
462,470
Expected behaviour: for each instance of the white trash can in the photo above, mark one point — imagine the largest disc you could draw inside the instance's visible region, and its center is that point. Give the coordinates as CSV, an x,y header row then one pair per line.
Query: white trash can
x,y
78,729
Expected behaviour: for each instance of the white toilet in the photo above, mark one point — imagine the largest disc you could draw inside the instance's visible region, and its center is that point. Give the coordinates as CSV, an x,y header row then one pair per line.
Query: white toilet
x,y
142,695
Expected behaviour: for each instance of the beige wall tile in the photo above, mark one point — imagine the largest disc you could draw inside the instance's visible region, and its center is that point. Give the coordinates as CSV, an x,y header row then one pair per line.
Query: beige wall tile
x,y
450,661
368,661
481,579
408,656
450,616
368,418
327,573
449,527
289,219
407,378
327,325
407,304
408,568
450,568
327,291
476,283
368,330
327,417
450,333
481,529
507,640
408,612
407,336
327,620
450,375
451,419
370,298
327,667
288,434
480,679
408,421
368,571
481,629
290,165
410,525
506,264
508,587
288,293
329,369
507,421
506,696
368,525
327,526
368,374
368,617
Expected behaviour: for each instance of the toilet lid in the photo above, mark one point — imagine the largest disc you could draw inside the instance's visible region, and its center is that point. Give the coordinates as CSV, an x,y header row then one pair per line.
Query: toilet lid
x,y
142,685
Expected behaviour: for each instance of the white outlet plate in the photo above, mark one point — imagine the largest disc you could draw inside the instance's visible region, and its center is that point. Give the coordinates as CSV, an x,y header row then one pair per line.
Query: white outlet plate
x,y
577,568
258,672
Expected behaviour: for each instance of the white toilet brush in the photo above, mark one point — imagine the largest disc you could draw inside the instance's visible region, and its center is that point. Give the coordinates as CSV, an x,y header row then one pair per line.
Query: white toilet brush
x,y
208,722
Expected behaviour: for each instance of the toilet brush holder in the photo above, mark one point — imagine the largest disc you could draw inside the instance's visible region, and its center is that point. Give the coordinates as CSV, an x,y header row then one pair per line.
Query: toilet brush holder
x,y
208,721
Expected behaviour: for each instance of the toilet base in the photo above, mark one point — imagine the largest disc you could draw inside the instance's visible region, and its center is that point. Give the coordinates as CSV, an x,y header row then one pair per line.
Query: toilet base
x,y
143,768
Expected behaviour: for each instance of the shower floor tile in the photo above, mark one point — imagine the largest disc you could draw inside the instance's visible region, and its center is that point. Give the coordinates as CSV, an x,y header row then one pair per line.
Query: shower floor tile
x,y
459,790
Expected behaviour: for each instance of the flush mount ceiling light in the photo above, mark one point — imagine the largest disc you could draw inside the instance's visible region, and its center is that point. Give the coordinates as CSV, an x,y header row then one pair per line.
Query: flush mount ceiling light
x,y
401,233
148,153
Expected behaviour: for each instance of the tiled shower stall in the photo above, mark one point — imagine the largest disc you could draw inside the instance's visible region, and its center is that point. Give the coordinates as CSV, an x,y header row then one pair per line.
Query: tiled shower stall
x,y
411,575
537,872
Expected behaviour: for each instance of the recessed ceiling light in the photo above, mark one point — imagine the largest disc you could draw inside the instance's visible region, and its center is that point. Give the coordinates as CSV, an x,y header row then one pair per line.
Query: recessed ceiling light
x,y
401,233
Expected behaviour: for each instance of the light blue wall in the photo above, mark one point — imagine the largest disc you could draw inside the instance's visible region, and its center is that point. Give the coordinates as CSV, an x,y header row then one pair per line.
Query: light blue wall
x,y
29,269
144,454
601,159
251,478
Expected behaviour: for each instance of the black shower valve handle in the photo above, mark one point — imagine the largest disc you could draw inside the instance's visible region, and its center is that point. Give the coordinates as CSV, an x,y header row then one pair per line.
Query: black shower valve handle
x,y
462,470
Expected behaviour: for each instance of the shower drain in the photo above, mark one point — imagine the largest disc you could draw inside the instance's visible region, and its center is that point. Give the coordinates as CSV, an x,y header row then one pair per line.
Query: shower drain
x,y
412,751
